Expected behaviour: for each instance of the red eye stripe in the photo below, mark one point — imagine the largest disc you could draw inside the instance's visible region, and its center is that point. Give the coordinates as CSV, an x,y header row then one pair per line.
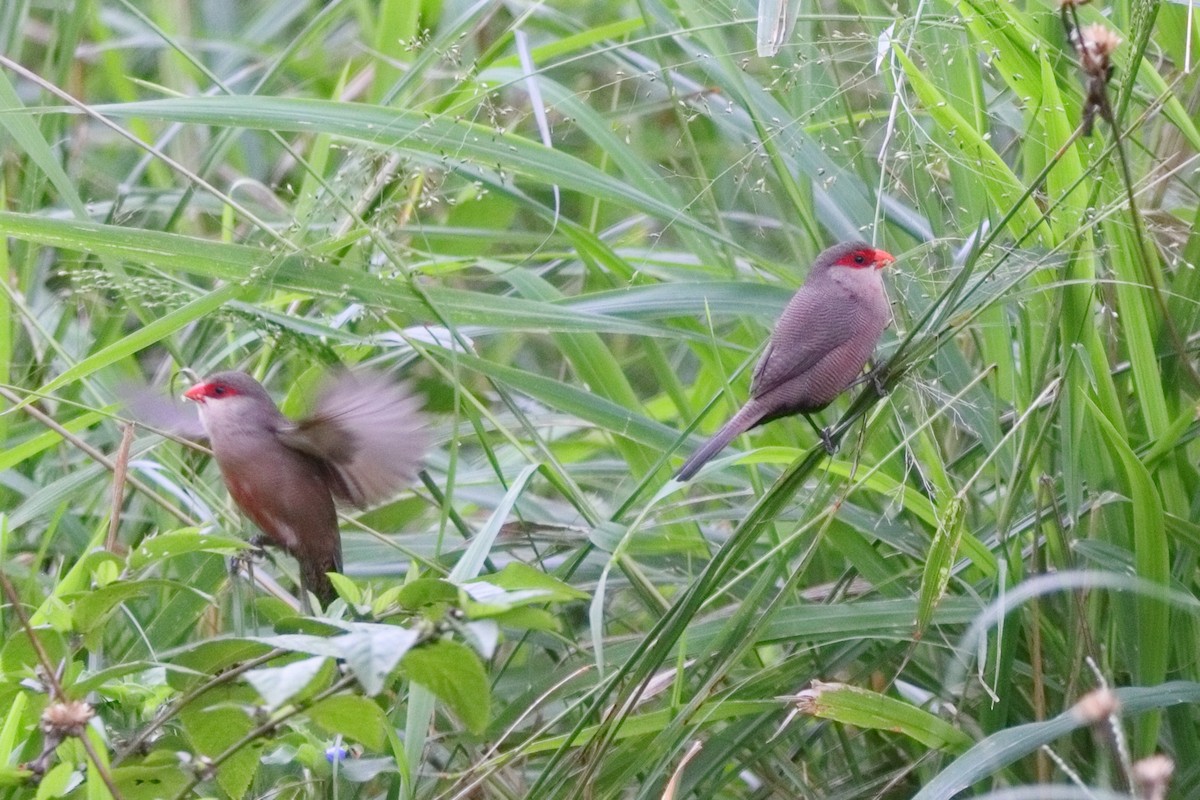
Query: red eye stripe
x,y
215,390
868,257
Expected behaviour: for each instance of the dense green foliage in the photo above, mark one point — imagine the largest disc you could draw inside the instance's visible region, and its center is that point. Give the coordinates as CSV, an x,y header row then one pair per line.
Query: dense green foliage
x,y
570,226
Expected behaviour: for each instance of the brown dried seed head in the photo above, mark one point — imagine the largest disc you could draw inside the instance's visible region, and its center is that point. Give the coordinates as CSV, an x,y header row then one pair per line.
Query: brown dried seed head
x,y
68,718
1097,706
1100,38
1096,43
1153,775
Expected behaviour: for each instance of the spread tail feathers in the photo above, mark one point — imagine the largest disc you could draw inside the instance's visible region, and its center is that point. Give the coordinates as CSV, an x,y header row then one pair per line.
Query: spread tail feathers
x,y
744,420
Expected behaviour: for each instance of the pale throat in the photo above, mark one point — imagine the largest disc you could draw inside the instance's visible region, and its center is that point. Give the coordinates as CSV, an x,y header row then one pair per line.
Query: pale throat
x,y
862,280
230,416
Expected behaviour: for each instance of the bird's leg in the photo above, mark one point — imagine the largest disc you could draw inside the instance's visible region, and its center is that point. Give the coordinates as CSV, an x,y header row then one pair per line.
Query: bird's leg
x,y
239,563
824,434
875,374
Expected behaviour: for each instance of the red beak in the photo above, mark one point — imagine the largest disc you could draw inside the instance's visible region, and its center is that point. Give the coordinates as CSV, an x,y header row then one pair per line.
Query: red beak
x,y
196,393
883,258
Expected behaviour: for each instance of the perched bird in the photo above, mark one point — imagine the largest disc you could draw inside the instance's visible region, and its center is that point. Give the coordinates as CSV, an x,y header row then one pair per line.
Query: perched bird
x,y
819,347
364,439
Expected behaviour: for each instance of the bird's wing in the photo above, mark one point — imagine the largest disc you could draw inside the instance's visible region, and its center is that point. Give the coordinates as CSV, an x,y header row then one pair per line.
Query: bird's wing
x,y
369,432
811,326
761,366
151,408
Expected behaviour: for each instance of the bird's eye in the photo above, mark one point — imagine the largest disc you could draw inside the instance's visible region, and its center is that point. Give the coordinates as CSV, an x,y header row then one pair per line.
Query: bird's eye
x,y
218,390
859,258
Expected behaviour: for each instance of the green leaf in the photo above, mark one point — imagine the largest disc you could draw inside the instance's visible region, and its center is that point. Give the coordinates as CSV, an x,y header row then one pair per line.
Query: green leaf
x,y
18,452
351,716
1004,33
940,561
213,730
14,776
12,724
18,653
61,778
1152,559
519,576
987,757
182,541
279,685
426,592
143,782
451,143
453,673
230,262
586,405
997,179
23,128
202,659
346,588
472,560
863,708
370,650
529,619
486,600
95,787
92,608
148,334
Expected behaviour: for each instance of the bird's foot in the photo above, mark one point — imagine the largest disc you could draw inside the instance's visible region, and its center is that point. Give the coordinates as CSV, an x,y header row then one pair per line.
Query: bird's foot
x,y
877,376
827,441
258,547
824,434
256,553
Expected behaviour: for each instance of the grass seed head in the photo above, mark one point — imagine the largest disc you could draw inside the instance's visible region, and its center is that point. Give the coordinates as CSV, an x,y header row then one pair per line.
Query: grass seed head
x,y
67,718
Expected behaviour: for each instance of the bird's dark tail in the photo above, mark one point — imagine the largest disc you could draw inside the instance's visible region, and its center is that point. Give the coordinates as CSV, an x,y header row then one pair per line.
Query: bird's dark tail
x,y
319,584
313,578
744,420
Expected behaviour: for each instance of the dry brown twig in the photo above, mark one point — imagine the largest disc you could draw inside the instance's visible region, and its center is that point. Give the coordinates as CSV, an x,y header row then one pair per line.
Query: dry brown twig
x,y
64,717
1094,45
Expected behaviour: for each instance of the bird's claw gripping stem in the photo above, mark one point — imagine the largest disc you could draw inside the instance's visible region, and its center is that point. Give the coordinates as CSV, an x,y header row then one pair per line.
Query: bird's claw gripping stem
x,y
824,434
877,375
256,553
